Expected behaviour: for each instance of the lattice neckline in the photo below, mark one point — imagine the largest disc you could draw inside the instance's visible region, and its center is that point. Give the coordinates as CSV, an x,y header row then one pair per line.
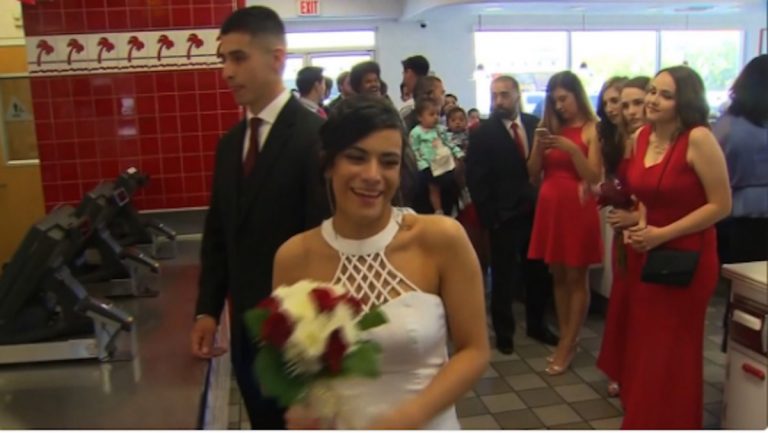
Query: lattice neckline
x,y
370,245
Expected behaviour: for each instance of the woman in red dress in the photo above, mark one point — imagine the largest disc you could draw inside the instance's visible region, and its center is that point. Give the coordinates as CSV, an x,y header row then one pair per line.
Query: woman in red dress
x,y
566,230
616,141
678,172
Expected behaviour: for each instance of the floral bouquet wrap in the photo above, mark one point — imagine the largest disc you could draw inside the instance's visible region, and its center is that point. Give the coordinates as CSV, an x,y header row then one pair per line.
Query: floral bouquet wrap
x,y
612,193
309,334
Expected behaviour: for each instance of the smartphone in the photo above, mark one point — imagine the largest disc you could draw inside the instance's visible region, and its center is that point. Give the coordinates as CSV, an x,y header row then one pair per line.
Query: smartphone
x,y
542,132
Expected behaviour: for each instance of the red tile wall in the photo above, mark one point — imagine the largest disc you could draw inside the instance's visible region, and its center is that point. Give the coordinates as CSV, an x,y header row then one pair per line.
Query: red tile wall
x,y
56,17
165,123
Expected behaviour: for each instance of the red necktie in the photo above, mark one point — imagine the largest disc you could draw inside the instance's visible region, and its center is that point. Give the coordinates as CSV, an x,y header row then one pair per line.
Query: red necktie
x,y
253,147
320,112
518,140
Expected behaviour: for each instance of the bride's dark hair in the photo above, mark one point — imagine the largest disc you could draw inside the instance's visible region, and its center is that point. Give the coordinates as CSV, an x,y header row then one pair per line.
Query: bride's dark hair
x,y
355,118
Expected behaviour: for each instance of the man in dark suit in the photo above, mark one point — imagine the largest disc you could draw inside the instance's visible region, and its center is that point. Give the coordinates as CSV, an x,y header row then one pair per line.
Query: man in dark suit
x,y
266,188
498,182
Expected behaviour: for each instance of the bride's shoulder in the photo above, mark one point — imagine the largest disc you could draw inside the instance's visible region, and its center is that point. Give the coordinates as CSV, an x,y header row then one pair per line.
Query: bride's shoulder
x,y
297,248
434,231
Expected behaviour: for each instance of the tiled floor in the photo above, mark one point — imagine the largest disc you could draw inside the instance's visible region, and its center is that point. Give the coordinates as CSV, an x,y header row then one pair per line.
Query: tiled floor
x,y
515,393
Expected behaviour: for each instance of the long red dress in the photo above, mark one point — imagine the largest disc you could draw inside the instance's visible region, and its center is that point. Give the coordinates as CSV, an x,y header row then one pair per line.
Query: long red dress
x,y
661,377
566,227
614,336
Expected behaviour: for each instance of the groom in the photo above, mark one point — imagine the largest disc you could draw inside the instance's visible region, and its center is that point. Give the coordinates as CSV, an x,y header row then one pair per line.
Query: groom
x,y
266,188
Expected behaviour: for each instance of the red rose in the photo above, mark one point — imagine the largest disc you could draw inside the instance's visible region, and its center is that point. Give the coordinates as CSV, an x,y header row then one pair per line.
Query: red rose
x,y
612,193
354,304
270,304
276,329
334,352
324,298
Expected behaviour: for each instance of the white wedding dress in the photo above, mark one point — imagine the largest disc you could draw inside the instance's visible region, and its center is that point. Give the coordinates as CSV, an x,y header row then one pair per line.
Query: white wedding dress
x,y
413,341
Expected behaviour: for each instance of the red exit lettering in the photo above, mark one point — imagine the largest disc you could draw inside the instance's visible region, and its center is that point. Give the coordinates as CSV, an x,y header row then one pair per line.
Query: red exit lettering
x,y
309,7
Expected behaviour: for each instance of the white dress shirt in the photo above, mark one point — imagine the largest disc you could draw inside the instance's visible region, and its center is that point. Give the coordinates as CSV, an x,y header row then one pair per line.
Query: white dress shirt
x,y
268,117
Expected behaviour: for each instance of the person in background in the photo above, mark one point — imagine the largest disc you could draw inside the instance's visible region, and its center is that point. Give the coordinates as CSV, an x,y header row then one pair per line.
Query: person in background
x,y
450,101
566,227
345,90
426,87
616,147
384,88
467,216
456,119
505,200
609,106
414,68
328,88
405,94
311,85
435,153
473,118
252,212
743,134
678,172
365,78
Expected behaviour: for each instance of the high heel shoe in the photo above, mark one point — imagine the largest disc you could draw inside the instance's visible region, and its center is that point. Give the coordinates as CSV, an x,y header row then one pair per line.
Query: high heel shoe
x,y
556,370
551,358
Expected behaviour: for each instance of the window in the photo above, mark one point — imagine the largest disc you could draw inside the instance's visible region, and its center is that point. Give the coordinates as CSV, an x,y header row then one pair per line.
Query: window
x,y
310,41
715,55
531,57
335,52
598,56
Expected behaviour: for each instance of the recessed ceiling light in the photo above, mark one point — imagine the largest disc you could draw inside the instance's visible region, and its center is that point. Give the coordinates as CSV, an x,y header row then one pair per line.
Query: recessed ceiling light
x,y
494,9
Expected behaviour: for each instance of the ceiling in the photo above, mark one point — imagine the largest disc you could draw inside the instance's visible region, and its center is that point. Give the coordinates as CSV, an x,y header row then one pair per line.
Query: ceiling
x,y
415,9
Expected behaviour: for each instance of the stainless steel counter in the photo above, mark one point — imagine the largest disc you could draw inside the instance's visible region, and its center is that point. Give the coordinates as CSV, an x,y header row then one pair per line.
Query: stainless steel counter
x,y
160,388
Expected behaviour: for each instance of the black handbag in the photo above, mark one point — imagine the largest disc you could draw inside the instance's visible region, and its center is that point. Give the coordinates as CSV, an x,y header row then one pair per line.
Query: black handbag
x,y
670,267
667,266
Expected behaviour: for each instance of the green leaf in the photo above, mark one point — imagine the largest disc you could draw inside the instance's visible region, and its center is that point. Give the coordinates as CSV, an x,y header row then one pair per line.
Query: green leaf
x,y
363,361
371,320
271,374
254,320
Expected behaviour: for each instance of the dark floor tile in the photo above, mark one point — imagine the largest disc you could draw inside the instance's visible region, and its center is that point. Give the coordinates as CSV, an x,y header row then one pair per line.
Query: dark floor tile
x,y
490,386
511,368
470,407
518,420
567,378
583,359
540,397
591,343
532,351
572,426
600,387
595,409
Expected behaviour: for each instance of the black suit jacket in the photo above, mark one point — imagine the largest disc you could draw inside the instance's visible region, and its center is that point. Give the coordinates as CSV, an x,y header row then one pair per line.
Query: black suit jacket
x,y
497,175
249,218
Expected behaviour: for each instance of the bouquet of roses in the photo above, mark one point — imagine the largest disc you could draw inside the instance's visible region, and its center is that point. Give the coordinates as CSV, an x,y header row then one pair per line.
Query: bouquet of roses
x,y
612,193
307,334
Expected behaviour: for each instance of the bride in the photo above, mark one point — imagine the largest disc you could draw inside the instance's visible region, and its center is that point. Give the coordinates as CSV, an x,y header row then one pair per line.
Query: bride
x,y
420,270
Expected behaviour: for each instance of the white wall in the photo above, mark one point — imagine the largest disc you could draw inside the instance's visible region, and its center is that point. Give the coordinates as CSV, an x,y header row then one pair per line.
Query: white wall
x,y
448,39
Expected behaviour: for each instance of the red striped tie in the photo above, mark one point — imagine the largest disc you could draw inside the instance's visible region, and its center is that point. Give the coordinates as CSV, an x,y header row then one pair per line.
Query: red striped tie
x,y
518,140
253,147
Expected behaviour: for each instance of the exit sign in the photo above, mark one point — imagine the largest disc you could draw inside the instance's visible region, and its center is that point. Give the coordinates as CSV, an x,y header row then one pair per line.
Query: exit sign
x,y
309,8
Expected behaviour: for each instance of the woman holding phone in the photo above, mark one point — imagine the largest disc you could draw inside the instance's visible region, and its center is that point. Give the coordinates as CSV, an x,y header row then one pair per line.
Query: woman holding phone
x,y
566,230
